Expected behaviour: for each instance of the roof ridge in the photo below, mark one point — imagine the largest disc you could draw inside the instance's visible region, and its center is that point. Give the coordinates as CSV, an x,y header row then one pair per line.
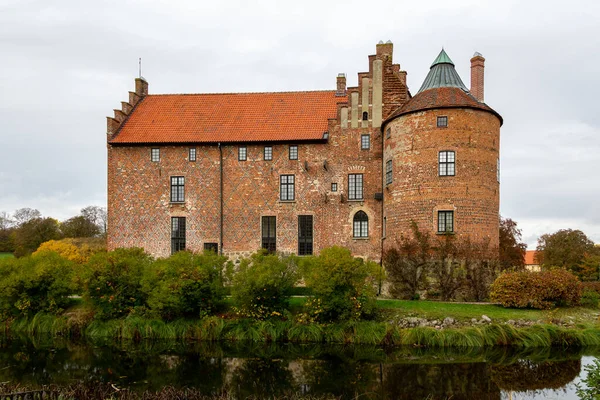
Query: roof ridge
x,y
242,93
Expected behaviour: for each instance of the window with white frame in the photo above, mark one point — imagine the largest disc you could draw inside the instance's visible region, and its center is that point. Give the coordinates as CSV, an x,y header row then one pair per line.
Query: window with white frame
x,y
365,142
447,163
360,225
177,189
445,221
242,153
286,187
155,155
268,153
355,186
293,152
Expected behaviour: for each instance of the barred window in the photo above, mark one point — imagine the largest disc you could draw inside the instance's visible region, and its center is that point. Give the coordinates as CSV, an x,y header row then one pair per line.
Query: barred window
x,y
446,163
155,155
305,235
293,152
442,122
334,187
355,186
388,172
192,154
365,142
177,234
211,247
269,236
242,153
268,153
286,187
445,221
361,225
177,189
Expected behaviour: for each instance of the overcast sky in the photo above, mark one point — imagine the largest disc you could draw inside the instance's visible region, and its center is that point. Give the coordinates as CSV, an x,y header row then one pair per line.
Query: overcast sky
x,y
65,65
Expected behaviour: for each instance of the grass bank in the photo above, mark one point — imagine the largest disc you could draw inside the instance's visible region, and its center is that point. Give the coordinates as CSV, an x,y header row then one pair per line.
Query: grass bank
x,y
363,332
6,255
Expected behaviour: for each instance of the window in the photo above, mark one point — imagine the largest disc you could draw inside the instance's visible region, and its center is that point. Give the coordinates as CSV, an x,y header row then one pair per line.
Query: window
x,y
305,235
365,116
286,188
361,225
177,189
269,238
355,187
192,154
268,153
177,234
442,122
212,247
365,142
446,163
155,155
388,133
388,172
242,153
445,221
293,152
334,187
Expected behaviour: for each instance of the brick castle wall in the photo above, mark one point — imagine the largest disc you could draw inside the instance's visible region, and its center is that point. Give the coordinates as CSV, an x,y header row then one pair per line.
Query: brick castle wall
x,y
418,192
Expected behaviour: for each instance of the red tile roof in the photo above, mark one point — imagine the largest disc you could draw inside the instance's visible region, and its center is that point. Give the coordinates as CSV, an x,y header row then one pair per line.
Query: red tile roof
x,y
530,258
443,97
230,117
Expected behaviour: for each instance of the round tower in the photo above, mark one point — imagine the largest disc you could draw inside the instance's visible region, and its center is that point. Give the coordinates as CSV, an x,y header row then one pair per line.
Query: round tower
x,y
441,159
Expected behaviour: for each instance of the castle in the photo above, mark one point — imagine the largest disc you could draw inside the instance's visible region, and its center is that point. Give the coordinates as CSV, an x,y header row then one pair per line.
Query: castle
x,y
296,172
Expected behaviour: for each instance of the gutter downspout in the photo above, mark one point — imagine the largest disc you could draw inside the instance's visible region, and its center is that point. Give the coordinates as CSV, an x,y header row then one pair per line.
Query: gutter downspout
x,y
221,199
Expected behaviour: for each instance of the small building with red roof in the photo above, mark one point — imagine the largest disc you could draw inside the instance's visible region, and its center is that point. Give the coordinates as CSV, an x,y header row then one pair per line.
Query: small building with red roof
x,y
297,172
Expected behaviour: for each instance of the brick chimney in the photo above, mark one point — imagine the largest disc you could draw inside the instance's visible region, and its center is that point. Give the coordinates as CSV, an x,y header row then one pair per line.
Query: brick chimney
x,y
341,85
477,66
384,49
141,87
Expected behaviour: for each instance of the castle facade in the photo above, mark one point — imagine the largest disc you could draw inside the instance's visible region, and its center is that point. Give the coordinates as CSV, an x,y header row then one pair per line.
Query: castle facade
x,y
297,172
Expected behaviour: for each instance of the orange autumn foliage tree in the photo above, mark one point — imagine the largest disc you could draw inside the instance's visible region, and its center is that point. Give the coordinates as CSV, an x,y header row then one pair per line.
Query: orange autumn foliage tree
x,y
76,250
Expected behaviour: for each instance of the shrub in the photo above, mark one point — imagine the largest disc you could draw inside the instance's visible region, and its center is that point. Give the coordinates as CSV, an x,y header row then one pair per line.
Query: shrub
x,y
590,298
77,250
536,289
592,286
40,283
407,264
262,284
185,285
343,286
112,281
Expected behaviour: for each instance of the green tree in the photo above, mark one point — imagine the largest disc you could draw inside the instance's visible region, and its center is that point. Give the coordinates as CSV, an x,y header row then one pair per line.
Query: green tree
x,y
79,226
511,250
343,286
565,248
30,234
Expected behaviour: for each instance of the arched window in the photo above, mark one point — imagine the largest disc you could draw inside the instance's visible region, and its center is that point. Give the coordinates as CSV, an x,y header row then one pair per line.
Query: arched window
x,y
365,115
361,225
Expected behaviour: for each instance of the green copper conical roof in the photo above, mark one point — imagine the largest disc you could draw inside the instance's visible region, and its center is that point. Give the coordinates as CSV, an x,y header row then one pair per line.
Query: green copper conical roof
x,y
442,58
442,74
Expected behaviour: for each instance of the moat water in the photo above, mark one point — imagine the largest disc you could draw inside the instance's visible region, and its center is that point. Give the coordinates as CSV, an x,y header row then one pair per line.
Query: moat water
x,y
267,370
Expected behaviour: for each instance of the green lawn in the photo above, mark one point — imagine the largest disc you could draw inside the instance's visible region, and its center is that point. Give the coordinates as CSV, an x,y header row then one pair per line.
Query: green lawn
x,y
464,312
6,255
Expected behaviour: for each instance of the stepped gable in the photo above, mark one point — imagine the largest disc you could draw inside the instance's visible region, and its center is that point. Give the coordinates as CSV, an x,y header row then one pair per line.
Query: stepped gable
x,y
442,88
229,117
